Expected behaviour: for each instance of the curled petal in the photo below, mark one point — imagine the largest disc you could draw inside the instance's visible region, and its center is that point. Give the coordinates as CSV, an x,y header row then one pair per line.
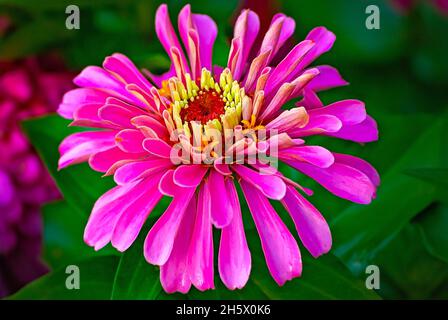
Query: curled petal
x,y
312,228
78,147
160,239
270,185
174,274
279,246
234,260
189,175
200,253
340,179
221,202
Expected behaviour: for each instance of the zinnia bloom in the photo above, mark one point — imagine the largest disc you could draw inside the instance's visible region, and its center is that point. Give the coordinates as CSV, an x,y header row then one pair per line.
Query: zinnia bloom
x,y
199,130
27,89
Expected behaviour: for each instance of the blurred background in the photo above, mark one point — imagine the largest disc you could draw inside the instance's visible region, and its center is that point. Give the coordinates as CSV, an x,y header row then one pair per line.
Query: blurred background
x,y
400,71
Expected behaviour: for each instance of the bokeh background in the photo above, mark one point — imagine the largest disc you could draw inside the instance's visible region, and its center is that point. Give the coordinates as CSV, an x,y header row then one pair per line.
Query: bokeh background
x,y
400,71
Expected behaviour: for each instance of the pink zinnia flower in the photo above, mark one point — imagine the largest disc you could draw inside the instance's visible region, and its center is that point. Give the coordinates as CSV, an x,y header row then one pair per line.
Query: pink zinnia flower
x,y
27,89
164,136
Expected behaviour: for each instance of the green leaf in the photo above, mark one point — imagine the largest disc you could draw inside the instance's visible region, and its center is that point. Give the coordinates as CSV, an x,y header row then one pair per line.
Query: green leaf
x,y
360,231
96,278
408,265
80,185
437,176
63,236
433,226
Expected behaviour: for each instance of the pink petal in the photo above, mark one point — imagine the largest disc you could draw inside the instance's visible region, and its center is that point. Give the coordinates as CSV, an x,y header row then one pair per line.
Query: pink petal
x,y
166,34
318,124
157,147
310,100
279,246
221,200
350,112
328,78
246,29
314,155
118,115
140,169
366,131
78,147
174,274
200,253
103,161
105,213
130,140
287,68
271,186
96,77
75,98
234,260
134,216
160,239
206,29
360,165
125,68
340,179
312,228
323,40
189,175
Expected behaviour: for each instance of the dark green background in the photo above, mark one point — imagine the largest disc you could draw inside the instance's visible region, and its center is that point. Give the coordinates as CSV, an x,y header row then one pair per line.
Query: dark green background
x,y
400,71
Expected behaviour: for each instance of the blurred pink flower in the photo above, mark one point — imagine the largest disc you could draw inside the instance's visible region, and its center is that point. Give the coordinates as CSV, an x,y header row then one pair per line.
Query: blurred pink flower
x,y
27,89
196,109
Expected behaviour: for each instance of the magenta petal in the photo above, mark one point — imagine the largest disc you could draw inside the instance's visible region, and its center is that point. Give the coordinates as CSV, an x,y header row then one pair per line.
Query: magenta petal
x,y
130,140
157,147
271,186
75,98
341,180
366,131
105,213
323,40
78,147
314,155
287,68
174,274
310,100
118,115
125,68
328,78
279,246
350,112
132,219
206,29
221,201
359,164
96,77
312,228
166,34
246,30
139,169
200,253
160,239
103,161
189,175
318,124
234,260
